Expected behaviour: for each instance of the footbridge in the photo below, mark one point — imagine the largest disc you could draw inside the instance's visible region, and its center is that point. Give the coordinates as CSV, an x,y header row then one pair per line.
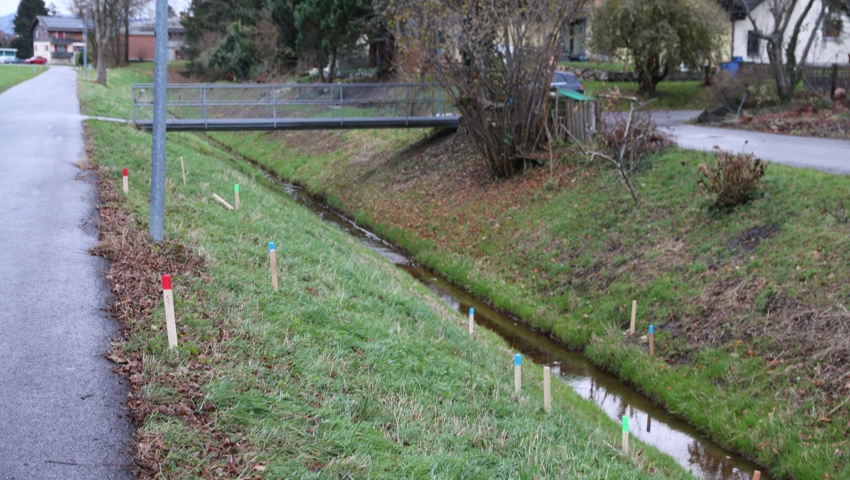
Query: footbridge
x,y
230,107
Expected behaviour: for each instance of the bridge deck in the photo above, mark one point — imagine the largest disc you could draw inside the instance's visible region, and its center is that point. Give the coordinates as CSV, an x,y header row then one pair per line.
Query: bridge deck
x,y
240,124
222,107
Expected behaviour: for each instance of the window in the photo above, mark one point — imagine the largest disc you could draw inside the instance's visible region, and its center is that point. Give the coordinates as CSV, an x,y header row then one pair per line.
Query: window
x,y
753,44
60,34
832,24
61,48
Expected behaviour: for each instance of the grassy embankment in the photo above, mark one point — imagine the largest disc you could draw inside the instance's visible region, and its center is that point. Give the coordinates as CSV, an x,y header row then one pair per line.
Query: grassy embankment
x,y
352,370
11,75
749,303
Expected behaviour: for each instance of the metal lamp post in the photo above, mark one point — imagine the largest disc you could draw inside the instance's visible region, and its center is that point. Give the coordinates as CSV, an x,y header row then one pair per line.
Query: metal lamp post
x,y
85,7
160,69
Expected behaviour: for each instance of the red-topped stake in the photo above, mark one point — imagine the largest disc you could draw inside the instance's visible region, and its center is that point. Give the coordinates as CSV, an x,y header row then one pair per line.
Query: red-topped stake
x,y
168,300
126,180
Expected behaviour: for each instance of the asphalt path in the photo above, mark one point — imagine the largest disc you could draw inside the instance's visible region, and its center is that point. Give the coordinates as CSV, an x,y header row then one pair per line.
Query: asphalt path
x,y
816,153
62,410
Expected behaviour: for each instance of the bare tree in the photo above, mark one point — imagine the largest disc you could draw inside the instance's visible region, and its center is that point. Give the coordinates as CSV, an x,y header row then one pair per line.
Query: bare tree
x,y
104,15
496,60
782,43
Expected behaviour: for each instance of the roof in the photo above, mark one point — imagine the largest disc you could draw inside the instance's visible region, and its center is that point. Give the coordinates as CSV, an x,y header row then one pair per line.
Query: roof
x,y
64,24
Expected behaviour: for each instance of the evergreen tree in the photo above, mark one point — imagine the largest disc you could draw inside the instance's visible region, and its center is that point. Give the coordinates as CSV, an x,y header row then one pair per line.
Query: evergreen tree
x,y
327,29
27,11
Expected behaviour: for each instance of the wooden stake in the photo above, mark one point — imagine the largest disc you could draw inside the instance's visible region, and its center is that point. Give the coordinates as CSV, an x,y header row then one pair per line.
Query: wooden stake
x,y
547,390
648,424
651,341
757,475
471,320
517,372
236,195
625,435
170,322
126,180
273,262
221,201
634,315
183,169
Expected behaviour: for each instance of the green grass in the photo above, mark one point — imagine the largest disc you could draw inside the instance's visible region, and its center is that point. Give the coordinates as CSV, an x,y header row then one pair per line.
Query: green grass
x,y
570,252
115,99
351,370
11,75
669,96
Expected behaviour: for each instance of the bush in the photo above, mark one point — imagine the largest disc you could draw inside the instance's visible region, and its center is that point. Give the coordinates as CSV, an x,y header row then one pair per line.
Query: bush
x,y
752,86
733,178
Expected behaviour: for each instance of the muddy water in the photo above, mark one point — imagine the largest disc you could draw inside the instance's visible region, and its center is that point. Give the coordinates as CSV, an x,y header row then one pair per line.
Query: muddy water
x,y
650,424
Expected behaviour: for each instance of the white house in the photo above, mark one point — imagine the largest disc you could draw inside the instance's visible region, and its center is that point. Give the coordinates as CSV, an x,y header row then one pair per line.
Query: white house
x,y
831,44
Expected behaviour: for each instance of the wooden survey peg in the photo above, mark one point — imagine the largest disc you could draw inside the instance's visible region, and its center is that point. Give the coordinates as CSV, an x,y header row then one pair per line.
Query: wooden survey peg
x,y
126,180
517,372
236,195
651,340
273,264
547,389
625,435
170,321
634,316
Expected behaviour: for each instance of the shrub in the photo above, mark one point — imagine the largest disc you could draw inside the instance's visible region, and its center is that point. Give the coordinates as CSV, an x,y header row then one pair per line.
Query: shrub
x,y
733,178
752,86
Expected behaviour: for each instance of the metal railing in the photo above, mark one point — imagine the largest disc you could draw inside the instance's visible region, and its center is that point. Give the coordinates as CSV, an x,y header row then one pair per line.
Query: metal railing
x,y
276,106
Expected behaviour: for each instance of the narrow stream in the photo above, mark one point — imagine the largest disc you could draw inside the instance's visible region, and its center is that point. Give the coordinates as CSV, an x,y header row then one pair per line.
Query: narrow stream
x,y
651,424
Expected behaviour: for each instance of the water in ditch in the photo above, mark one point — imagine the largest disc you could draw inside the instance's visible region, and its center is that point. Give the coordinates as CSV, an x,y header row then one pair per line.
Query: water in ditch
x,y
650,423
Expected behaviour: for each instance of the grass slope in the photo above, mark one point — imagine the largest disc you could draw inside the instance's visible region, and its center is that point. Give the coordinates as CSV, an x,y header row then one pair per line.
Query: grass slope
x,y
749,303
351,370
11,75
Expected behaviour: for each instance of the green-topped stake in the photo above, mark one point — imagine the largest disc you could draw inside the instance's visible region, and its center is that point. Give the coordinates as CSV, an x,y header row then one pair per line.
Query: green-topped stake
x,y
236,195
625,435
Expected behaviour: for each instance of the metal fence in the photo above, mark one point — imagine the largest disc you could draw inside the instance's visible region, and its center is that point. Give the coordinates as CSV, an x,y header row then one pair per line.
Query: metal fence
x,y
217,106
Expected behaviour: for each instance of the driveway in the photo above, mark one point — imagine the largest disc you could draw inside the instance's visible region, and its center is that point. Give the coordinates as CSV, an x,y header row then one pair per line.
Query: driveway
x,y
817,153
61,407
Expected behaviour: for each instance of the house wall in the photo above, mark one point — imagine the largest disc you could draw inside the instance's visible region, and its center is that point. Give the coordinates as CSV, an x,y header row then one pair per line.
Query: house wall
x,y
142,47
823,50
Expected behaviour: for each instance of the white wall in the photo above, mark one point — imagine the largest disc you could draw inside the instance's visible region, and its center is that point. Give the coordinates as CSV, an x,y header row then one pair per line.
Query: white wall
x,y
823,51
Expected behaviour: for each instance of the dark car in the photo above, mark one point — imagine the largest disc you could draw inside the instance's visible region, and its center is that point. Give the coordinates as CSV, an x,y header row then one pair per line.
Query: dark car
x,y
15,60
567,81
36,60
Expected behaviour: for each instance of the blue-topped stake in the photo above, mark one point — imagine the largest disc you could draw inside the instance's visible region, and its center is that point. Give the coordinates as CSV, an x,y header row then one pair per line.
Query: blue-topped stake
x,y
651,340
273,262
471,320
517,372
625,435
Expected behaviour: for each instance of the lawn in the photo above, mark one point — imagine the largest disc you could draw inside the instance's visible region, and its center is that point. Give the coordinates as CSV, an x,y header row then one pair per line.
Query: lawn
x,y
351,370
749,303
11,75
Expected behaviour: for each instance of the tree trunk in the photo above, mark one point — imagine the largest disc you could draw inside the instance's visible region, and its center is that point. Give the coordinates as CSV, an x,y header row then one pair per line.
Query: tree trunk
x,y
101,64
332,68
126,32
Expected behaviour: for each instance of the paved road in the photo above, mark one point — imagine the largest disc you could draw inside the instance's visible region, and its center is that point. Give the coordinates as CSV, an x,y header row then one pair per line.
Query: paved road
x,y
61,407
817,153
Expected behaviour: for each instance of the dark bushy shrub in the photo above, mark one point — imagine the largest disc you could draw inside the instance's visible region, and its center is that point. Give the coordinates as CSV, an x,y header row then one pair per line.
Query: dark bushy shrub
x,y
754,87
733,178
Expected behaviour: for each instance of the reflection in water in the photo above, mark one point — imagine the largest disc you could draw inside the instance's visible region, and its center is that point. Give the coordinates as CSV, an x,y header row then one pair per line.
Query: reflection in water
x,y
669,434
